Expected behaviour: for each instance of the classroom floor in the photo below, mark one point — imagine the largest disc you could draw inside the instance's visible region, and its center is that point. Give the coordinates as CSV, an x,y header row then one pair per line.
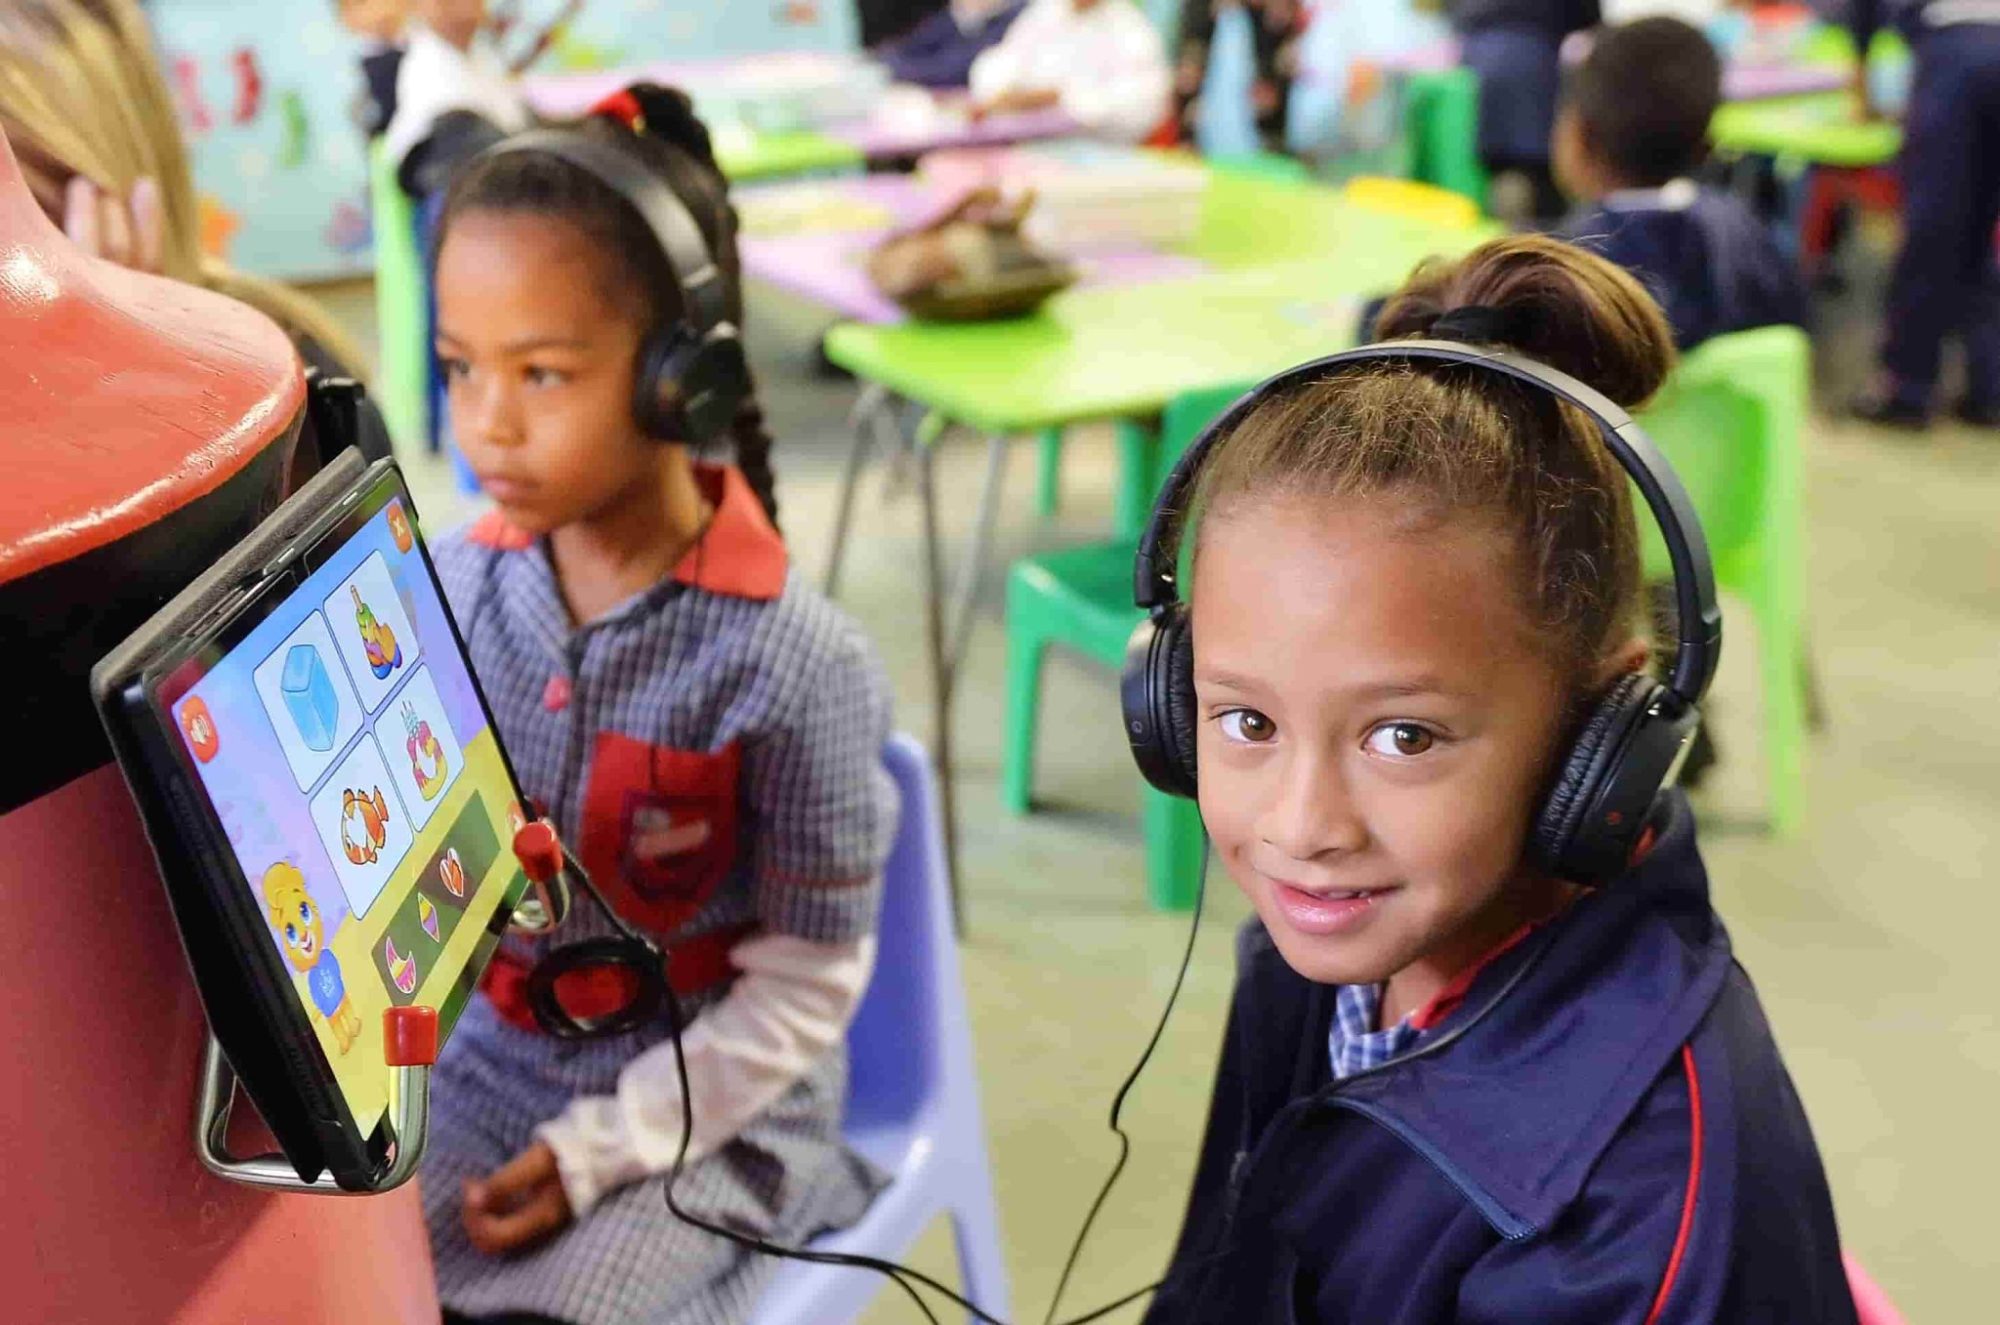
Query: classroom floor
x,y
1868,936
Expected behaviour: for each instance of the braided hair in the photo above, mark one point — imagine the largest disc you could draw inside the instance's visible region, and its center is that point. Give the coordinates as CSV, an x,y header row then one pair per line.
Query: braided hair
x,y
668,139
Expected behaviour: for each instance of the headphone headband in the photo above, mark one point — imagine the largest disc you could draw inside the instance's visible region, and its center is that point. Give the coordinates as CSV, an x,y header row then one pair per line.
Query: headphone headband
x,y
703,289
1700,644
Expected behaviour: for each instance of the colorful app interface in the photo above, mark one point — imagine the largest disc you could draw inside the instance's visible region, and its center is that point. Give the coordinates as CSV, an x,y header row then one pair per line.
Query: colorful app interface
x,y
345,750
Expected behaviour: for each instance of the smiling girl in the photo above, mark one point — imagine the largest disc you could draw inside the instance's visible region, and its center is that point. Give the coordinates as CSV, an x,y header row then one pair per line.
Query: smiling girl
x,y
1458,1086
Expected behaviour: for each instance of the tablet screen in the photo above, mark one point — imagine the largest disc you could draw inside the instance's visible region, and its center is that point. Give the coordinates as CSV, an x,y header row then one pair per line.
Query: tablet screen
x,y
354,769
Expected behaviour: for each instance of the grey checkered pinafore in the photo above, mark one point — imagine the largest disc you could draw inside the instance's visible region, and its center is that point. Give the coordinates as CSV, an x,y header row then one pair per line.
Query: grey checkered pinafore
x,y
781,696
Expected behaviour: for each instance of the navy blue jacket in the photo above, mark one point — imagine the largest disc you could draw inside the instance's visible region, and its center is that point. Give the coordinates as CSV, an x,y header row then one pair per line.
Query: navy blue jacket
x,y
938,53
1709,261
1618,1127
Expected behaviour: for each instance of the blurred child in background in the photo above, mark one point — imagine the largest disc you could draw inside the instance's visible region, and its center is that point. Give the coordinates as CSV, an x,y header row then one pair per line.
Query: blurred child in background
x,y
1515,48
452,69
1945,282
1632,130
379,24
1276,28
84,105
1102,61
455,92
938,52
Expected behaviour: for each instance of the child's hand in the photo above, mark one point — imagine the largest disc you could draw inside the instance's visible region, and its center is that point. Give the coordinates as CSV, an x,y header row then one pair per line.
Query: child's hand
x,y
128,231
519,1204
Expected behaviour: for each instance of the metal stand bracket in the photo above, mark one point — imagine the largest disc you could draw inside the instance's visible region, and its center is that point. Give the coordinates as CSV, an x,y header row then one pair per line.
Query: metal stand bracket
x,y
411,1048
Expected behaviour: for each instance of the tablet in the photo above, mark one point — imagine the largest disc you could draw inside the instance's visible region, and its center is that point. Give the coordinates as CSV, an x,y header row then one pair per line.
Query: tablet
x,y
329,800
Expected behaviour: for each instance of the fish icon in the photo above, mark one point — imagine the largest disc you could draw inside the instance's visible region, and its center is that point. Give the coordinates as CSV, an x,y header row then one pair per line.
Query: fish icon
x,y
370,815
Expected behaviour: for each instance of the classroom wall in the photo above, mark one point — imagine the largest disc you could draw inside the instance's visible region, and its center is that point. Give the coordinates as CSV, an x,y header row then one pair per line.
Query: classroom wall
x,y
266,92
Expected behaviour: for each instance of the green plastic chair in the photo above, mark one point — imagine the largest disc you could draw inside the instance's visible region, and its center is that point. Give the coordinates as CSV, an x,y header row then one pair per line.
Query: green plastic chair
x,y
1082,597
402,379
1732,422
1441,115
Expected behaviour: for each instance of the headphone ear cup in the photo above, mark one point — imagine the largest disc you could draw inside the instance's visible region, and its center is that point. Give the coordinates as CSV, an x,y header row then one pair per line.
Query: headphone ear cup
x,y
1177,690
688,390
1562,841
654,392
1156,692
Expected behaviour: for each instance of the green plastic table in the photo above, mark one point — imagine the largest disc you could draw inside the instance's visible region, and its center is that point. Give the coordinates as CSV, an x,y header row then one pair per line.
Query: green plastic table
x,y
1120,352
772,155
1819,129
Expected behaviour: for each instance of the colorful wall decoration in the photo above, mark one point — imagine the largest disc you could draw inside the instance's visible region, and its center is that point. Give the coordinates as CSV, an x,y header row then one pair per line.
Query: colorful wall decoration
x,y
267,95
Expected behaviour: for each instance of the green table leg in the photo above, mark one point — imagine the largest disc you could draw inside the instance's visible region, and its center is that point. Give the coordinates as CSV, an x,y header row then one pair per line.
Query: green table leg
x,y
1048,485
1138,476
1173,850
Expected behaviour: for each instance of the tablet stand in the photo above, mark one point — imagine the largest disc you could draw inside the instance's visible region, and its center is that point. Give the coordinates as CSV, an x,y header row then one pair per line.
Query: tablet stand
x,y
410,1045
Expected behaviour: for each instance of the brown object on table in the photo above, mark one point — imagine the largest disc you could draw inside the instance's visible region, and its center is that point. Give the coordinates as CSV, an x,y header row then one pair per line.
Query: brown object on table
x,y
970,263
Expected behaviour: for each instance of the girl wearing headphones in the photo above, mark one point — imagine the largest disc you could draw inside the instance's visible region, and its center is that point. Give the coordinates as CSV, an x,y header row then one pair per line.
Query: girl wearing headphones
x,y
1465,1080
701,726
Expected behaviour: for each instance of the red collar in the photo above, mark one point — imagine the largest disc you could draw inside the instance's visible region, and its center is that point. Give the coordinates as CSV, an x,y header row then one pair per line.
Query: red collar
x,y
1446,1000
740,555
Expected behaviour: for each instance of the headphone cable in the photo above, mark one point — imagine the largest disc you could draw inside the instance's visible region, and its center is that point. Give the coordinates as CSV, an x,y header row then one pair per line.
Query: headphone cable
x,y
894,1270
1118,1105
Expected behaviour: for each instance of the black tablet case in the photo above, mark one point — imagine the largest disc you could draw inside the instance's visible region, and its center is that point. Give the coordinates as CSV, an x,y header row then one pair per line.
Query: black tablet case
x,y
254,1016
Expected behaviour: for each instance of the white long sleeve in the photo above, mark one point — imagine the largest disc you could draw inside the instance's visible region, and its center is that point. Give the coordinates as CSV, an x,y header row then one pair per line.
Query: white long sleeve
x,y
792,1003
1108,65
435,78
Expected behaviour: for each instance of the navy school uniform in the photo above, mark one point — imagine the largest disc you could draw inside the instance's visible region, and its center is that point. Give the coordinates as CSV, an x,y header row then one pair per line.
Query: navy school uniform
x,y
1618,1141
1710,262
1945,280
938,52
1514,46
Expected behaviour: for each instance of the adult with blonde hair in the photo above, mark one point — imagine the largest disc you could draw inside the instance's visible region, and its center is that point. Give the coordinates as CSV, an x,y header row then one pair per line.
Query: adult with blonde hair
x,y
88,114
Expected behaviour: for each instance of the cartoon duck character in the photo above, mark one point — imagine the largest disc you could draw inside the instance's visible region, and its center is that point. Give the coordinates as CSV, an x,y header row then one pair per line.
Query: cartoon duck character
x,y
371,813
295,916
424,745
385,655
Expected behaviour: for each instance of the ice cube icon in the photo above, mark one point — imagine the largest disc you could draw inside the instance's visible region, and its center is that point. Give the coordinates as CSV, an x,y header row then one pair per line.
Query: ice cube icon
x,y
309,697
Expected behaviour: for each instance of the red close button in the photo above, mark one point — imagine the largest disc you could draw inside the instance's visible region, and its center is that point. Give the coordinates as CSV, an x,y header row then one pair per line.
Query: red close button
x,y
539,851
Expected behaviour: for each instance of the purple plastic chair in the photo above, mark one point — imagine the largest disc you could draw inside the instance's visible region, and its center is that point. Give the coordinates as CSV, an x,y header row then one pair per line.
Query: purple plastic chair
x,y
912,1099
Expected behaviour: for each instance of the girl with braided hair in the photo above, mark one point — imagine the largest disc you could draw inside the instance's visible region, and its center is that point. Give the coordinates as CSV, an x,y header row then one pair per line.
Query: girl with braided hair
x,y
704,730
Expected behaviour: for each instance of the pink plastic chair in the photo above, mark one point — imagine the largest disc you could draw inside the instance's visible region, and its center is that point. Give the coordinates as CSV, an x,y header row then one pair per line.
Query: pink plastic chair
x,y
1871,1305
912,1098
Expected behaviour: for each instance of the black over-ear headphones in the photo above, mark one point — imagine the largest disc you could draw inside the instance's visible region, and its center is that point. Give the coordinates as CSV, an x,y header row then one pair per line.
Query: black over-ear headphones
x,y
1630,744
692,373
